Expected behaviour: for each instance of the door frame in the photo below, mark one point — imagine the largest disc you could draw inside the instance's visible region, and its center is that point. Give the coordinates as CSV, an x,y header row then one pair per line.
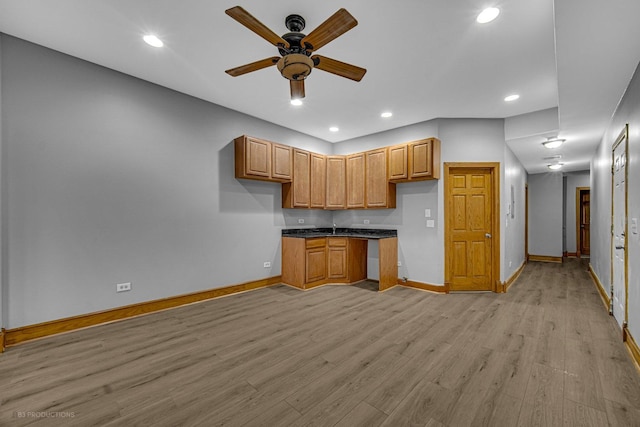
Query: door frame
x,y
623,138
494,169
579,191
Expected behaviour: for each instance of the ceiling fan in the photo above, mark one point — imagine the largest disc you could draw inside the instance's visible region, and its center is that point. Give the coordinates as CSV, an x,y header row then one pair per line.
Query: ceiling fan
x,y
296,60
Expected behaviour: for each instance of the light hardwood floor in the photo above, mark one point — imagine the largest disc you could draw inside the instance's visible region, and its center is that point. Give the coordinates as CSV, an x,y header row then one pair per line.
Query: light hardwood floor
x,y
544,354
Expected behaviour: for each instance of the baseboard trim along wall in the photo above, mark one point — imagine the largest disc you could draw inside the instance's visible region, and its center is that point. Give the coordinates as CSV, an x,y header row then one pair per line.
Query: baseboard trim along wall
x,y
633,348
40,330
606,300
425,286
513,278
545,258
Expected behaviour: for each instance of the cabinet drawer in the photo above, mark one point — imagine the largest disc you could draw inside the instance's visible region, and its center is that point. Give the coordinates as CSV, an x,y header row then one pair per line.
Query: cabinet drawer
x,y
340,242
316,243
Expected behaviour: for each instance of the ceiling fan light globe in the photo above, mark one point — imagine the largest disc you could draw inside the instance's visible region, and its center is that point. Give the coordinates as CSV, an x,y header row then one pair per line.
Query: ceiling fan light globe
x,y
295,66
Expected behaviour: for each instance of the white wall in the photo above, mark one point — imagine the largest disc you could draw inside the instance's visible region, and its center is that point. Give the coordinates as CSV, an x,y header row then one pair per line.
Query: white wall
x,y
545,214
573,181
113,179
628,112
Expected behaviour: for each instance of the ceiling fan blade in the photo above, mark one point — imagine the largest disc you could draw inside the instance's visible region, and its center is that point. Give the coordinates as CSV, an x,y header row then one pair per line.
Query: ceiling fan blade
x,y
246,19
336,25
254,66
297,89
338,68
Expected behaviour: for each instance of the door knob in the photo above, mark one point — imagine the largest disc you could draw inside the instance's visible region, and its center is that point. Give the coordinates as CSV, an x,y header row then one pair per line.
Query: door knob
x,y
487,235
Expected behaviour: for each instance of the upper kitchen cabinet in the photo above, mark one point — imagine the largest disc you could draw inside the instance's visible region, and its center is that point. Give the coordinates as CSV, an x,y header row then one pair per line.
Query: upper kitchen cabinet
x,y
422,160
297,193
379,192
262,160
356,181
336,184
318,180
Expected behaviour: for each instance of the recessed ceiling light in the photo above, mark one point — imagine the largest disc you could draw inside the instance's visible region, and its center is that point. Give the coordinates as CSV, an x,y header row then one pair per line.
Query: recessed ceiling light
x,y
511,97
553,142
152,40
386,114
555,166
296,102
334,129
488,15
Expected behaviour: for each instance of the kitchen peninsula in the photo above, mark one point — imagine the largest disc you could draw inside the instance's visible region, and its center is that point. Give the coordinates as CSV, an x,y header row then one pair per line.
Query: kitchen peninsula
x,y
316,256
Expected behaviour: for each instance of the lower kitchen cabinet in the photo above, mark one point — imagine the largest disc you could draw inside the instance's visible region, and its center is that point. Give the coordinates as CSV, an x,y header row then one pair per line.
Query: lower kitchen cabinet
x,y
307,263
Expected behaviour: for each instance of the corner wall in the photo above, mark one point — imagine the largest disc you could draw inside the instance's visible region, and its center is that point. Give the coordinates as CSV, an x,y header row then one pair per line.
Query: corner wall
x,y
112,179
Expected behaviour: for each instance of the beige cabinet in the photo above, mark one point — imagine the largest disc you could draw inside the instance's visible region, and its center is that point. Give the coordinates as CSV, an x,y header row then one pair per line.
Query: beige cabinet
x,y
355,181
336,183
318,180
414,161
262,160
379,192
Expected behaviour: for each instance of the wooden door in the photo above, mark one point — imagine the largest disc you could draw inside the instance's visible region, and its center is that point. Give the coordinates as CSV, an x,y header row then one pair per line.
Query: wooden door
x,y
336,187
318,180
471,228
355,180
619,221
583,226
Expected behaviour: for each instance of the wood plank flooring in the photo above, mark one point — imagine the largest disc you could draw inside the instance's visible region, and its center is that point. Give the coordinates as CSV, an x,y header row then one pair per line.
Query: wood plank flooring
x,y
544,354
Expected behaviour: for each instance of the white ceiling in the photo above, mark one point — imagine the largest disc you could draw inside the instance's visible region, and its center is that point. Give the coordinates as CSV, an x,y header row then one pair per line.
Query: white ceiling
x,y
425,59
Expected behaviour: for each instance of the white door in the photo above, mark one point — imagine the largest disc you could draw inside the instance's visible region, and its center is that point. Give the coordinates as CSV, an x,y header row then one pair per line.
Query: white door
x,y
619,217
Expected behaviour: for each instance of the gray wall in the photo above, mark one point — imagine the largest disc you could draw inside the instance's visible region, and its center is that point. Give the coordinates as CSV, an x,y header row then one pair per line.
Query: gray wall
x,y
3,290
113,179
573,180
545,214
421,249
628,112
515,179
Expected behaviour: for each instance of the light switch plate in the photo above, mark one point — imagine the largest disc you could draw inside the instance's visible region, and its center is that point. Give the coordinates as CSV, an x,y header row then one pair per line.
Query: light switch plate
x,y
634,225
427,213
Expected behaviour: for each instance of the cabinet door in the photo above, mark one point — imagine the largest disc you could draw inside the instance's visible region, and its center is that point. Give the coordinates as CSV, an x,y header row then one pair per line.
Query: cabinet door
x,y
398,163
281,162
252,158
337,258
336,197
318,180
301,179
355,181
379,192
421,159
316,264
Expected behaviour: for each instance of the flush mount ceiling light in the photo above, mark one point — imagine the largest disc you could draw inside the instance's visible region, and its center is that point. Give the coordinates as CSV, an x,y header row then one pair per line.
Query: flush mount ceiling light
x,y
386,114
334,129
297,102
488,15
511,98
553,142
555,166
152,40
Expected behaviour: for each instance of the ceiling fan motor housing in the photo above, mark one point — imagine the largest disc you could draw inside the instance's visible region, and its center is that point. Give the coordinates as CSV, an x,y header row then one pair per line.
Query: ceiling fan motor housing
x,y
295,66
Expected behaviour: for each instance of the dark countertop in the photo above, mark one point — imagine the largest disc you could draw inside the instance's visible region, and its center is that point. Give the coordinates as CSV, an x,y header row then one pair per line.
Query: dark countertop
x,y
359,233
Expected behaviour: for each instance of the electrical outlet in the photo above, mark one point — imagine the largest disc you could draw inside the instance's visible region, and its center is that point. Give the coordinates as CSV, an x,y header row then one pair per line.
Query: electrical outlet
x,y
366,222
431,223
300,220
123,287
399,264
267,264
